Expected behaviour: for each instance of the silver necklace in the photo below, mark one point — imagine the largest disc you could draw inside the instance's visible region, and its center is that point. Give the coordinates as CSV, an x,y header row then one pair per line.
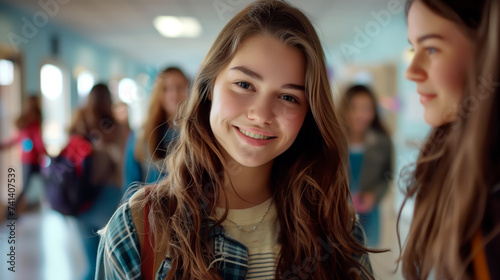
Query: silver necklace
x,y
257,225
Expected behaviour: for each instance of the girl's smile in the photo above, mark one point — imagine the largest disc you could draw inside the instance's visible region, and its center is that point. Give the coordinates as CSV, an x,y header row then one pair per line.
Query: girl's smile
x,y
254,139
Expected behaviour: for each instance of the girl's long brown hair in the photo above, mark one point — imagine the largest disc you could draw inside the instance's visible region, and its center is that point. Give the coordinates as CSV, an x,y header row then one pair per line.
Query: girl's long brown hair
x,y
32,113
96,120
310,179
459,163
156,118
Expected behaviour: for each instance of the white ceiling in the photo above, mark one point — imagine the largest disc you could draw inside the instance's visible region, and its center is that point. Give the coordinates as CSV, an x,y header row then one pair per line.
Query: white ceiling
x,y
126,25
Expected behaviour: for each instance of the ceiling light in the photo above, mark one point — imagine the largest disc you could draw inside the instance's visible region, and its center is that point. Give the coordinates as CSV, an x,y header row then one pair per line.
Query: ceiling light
x,y
176,27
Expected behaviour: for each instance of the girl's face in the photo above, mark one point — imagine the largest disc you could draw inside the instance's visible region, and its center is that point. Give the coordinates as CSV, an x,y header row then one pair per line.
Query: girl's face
x,y
361,113
174,91
259,102
443,55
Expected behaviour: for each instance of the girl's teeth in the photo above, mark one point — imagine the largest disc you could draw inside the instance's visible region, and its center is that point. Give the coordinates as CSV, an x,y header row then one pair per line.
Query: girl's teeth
x,y
253,135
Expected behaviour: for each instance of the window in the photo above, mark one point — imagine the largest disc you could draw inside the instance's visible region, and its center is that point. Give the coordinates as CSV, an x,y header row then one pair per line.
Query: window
x,y
54,84
127,90
51,81
85,82
6,72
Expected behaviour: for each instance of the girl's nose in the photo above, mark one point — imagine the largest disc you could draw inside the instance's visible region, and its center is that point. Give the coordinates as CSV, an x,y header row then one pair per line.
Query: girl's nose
x,y
261,111
415,72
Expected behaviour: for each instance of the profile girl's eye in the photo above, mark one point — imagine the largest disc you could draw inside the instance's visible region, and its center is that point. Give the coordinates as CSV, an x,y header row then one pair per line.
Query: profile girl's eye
x,y
431,50
244,85
289,98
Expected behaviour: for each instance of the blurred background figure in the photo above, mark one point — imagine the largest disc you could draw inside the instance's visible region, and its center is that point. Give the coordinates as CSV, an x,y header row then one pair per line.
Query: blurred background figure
x,y
370,156
29,135
144,151
120,110
97,122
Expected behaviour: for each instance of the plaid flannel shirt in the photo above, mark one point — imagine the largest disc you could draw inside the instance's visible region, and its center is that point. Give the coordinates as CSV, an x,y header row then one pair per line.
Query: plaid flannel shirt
x,y
119,255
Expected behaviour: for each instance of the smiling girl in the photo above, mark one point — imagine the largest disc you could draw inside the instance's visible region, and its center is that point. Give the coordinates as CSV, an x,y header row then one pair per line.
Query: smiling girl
x,y
258,185
455,228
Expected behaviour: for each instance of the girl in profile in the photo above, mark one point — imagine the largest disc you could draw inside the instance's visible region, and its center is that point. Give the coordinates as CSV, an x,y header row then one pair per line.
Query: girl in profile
x,y
455,228
257,184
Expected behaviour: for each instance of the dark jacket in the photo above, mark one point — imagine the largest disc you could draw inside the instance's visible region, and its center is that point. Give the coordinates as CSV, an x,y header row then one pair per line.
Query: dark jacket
x,y
377,170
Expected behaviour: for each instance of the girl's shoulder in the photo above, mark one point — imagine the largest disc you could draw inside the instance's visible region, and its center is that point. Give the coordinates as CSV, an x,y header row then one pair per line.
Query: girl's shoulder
x,y
120,227
378,140
119,254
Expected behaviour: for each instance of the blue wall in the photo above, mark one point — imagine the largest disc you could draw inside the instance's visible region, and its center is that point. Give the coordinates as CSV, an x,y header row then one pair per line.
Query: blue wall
x,y
74,51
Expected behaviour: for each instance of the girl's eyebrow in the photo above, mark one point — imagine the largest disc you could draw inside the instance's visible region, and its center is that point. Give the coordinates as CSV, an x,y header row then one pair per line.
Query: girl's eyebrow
x,y
254,75
248,72
427,37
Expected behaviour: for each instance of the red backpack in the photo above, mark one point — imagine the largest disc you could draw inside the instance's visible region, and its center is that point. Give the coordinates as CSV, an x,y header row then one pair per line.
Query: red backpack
x,y
68,187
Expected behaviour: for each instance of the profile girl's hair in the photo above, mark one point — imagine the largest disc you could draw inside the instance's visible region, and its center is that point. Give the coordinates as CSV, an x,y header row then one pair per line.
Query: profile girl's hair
x,y
95,120
458,163
310,179
356,90
156,117
465,13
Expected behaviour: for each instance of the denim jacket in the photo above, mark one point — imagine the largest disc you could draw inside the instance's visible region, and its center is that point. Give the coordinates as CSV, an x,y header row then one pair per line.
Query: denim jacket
x,y
119,254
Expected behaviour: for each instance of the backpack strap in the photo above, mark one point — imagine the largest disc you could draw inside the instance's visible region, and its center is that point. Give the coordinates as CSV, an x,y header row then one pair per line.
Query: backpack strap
x,y
147,251
480,263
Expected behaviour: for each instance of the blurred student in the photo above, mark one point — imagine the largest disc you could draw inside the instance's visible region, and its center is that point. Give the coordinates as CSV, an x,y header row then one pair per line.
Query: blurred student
x,y
145,151
120,110
370,157
456,184
29,135
97,123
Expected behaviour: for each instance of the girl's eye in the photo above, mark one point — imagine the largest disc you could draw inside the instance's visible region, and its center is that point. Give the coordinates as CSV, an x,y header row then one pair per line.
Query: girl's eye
x,y
244,85
289,98
431,50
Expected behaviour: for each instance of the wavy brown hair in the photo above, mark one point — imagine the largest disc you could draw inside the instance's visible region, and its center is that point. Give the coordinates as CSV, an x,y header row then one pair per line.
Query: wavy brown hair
x,y
95,120
156,118
32,112
459,163
310,179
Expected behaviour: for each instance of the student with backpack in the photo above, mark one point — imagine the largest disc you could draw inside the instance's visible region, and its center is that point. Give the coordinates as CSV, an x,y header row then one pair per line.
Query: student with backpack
x,y
455,231
257,184
29,136
94,129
